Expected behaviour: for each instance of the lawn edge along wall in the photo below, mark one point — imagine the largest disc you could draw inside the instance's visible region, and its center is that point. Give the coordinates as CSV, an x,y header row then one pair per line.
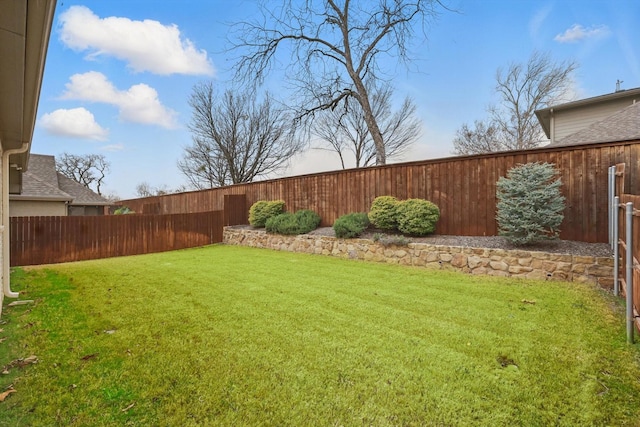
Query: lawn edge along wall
x,y
492,262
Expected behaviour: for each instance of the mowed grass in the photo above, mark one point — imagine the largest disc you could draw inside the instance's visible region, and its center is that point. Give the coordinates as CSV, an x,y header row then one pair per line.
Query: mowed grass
x,y
237,336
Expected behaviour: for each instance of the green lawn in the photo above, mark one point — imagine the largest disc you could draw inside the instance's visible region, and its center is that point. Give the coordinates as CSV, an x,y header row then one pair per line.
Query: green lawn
x,y
237,336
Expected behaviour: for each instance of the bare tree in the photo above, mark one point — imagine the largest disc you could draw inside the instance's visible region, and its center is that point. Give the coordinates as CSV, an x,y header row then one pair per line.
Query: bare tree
x,y
345,129
89,169
236,138
144,189
335,46
523,89
482,138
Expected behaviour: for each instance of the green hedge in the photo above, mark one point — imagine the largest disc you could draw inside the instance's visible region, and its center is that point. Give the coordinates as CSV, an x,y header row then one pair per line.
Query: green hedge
x,y
262,210
351,225
383,212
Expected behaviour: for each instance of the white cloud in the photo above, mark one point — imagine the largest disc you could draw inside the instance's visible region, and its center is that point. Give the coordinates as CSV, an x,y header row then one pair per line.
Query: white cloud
x,y
138,104
74,123
537,21
578,33
113,147
146,45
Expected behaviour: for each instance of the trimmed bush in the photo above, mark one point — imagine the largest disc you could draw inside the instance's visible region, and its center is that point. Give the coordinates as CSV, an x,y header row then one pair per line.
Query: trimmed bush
x,y
530,204
417,217
308,220
351,225
383,212
284,223
301,222
262,210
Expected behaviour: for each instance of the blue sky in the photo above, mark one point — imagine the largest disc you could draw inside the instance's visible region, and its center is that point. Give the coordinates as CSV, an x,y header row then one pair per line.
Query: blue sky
x,y
119,73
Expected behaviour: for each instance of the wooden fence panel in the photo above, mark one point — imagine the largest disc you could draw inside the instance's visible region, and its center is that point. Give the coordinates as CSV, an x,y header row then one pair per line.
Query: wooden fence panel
x,y
463,187
48,240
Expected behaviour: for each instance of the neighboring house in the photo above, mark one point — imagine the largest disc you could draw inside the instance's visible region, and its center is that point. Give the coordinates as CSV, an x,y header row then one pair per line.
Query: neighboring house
x,y
604,118
46,192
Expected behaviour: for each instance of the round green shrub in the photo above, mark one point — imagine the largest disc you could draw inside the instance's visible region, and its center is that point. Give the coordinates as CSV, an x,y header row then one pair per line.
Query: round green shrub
x,y
308,220
301,222
530,204
262,210
383,212
417,217
284,223
351,225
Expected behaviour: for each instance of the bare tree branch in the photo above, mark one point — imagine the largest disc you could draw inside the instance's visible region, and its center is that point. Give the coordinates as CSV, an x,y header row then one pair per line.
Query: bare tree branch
x,y
235,138
89,170
334,47
345,128
523,89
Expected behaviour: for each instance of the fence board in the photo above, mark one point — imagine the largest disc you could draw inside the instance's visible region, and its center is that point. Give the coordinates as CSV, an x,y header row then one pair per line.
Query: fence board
x,y
48,240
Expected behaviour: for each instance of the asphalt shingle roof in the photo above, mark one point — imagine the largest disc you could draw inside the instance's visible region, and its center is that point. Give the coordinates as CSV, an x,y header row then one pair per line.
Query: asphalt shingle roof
x,y
42,181
621,126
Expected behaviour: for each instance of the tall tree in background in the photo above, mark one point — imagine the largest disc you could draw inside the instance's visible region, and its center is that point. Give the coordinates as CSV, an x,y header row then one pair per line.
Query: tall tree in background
x,y
335,47
236,138
523,89
88,169
344,129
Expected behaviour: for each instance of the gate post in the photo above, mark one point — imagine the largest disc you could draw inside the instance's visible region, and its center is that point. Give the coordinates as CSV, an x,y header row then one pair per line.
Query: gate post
x,y
616,246
629,265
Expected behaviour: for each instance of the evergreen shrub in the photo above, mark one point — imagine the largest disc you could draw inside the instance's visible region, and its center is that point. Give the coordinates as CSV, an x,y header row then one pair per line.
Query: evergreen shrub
x,y
417,217
301,222
351,225
382,213
530,204
262,210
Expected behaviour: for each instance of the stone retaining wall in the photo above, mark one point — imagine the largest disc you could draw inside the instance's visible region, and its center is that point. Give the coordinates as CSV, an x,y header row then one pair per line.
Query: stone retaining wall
x,y
493,262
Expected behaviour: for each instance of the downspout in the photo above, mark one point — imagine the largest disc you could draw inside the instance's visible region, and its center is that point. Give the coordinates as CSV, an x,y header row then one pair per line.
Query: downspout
x,y
6,282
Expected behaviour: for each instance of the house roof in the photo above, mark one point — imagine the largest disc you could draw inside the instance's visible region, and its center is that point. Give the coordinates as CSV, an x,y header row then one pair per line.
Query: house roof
x,y
42,182
621,126
544,115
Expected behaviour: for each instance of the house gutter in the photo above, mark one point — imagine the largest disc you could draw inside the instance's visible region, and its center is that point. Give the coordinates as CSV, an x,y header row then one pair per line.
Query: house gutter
x,y
6,278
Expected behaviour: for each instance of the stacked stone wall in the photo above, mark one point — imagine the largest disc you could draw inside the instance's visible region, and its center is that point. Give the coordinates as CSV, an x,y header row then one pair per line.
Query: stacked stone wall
x,y
493,262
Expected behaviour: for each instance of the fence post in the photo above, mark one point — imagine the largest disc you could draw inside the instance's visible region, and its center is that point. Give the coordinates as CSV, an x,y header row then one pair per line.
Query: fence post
x,y
629,275
616,246
612,210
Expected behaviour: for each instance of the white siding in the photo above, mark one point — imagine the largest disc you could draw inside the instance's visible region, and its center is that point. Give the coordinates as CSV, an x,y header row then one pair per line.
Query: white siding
x,y
36,208
571,121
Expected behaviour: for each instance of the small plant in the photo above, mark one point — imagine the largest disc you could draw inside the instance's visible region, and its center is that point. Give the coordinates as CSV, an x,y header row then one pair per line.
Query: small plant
x,y
530,204
351,225
284,223
395,240
308,220
377,237
262,210
124,210
301,222
417,217
383,212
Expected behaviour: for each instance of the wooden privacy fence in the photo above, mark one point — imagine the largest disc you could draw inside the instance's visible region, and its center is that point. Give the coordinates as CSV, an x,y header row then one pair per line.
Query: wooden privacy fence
x,y
55,239
464,188
626,245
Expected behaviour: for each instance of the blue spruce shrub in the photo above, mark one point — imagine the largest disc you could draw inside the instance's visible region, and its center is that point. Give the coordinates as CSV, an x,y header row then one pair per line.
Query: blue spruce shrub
x,y
530,204
417,217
